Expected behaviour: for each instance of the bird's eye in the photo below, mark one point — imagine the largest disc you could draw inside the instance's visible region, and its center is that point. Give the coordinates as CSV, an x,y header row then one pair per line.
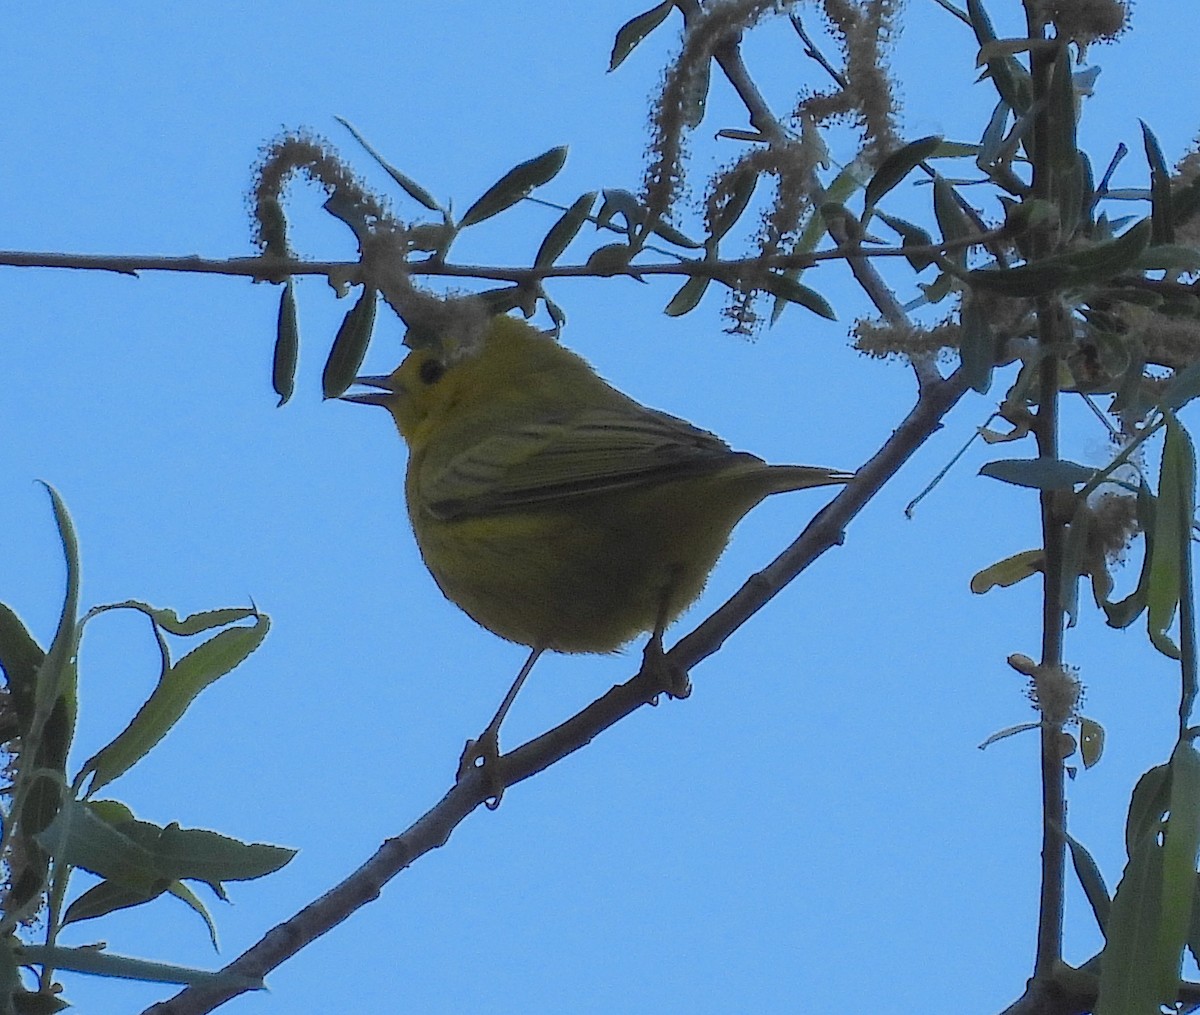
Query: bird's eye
x,y
431,371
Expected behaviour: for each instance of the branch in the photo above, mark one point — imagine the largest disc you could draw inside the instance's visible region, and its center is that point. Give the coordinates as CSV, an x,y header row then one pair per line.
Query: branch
x,y
434,828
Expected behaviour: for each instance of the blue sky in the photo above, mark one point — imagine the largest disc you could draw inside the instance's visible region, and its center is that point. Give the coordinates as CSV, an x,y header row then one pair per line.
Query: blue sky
x,y
814,827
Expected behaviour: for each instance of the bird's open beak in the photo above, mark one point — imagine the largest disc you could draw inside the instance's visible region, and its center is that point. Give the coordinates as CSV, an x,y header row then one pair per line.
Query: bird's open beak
x,y
383,397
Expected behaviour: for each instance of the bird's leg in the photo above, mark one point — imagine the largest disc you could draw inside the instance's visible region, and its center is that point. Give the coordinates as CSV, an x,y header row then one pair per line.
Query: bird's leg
x,y
484,751
674,679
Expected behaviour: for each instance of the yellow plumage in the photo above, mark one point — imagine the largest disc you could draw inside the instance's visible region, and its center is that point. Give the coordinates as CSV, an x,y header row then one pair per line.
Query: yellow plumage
x,y
556,511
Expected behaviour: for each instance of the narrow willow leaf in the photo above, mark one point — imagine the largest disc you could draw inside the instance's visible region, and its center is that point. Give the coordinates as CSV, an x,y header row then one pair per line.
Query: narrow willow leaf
x,y
1184,386
287,345
1085,267
195,623
1127,980
1180,847
1060,113
911,236
1169,257
740,192
1125,612
515,185
1172,534
977,350
80,838
635,30
1039,473
993,137
951,219
1147,804
202,855
1092,881
176,690
101,963
20,659
408,185
785,288
56,673
1009,571
564,231
620,202
688,297
192,901
349,346
895,168
108,897
1006,75
1162,214
672,235
1072,566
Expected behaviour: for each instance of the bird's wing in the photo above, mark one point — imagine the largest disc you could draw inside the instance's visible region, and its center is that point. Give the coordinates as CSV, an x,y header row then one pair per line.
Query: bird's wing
x,y
539,462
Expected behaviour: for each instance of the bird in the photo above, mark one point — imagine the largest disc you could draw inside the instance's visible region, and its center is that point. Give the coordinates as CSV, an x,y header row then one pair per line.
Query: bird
x,y
554,510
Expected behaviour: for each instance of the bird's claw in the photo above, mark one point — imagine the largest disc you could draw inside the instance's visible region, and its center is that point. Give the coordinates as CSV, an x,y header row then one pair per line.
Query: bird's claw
x,y
483,755
673,678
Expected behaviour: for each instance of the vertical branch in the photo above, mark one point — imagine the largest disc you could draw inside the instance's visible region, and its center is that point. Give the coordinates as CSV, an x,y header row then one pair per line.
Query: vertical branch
x,y
1052,333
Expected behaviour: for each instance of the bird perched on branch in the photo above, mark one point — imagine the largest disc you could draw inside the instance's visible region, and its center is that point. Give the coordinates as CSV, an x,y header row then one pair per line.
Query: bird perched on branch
x,y
556,511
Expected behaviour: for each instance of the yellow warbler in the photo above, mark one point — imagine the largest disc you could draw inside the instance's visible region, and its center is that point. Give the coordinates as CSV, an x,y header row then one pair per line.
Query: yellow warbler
x,y
556,511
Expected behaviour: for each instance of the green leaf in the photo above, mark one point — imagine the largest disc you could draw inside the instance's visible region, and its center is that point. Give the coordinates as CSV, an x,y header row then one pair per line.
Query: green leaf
x,y
1182,842
349,346
1010,79
1091,880
192,901
785,288
20,658
1091,741
194,623
1184,386
635,30
1172,534
911,236
1127,981
1039,473
101,963
895,168
108,897
688,297
515,185
287,345
56,676
741,190
177,688
951,219
1148,803
564,231
1084,267
1125,612
977,349
80,838
1009,571
1169,257
214,858
408,185
1161,215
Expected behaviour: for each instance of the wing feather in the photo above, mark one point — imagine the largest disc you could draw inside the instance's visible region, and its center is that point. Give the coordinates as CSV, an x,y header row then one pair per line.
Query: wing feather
x,y
559,458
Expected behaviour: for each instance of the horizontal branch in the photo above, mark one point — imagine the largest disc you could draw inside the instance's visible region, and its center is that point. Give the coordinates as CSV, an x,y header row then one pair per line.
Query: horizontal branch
x,y
275,269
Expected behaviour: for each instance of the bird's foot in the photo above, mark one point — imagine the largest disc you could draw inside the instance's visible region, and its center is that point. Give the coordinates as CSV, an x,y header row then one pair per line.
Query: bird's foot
x,y
671,677
483,755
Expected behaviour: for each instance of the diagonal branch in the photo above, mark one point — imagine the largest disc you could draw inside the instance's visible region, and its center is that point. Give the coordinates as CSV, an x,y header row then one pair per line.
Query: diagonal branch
x,y
434,828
